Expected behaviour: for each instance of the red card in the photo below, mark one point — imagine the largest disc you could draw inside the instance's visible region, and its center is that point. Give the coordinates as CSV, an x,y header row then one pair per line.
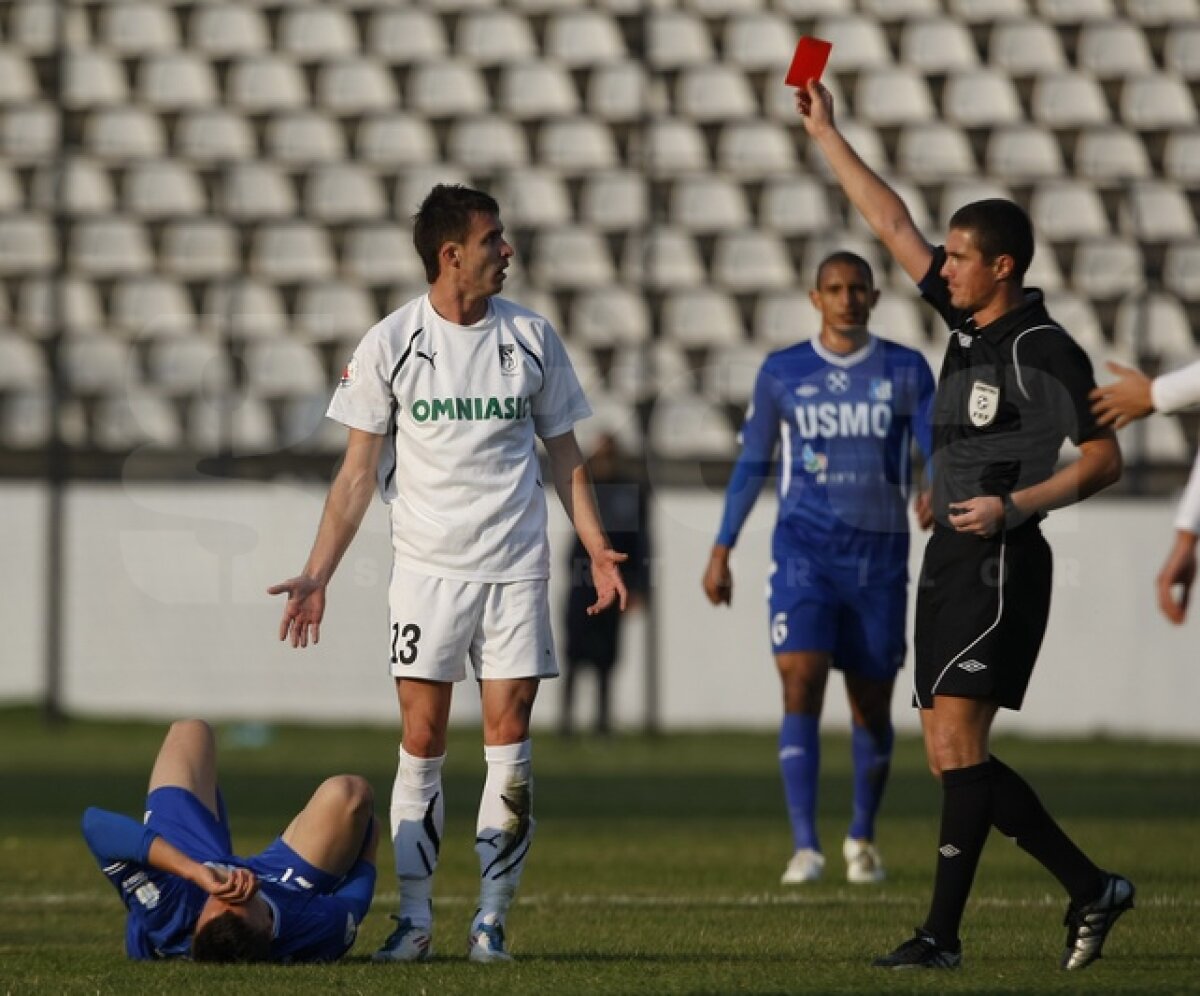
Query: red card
x,y
809,61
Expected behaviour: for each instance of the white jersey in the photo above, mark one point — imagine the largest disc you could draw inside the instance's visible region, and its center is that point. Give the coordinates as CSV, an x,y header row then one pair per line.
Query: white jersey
x,y
461,405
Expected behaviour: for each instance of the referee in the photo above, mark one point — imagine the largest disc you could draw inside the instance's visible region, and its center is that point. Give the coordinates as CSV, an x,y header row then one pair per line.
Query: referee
x,y
1013,386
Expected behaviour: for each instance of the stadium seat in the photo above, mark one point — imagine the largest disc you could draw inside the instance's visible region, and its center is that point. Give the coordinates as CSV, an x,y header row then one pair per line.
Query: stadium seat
x,y
609,316
303,138
937,44
729,374
755,148
813,8
93,365
1109,154
137,27
316,33
533,198
1025,46
616,91
751,260
708,203
656,370
1066,209
1109,49
337,193
1068,99
226,30
174,81
571,258
1181,49
1074,11
265,84
1164,442
1155,13
22,365
282,368
866,143
29,133
1181,269
213,135
858,42
758,41
615,200
612,415
900,10
240,426
818,247
135,419
584,37
92,78
161,189
119,133
892,95
794,205
714,93
1018,153
199,249
986,11
355,85
34,26
330,310
913,199
1154,324
27,244
677,38
68,301
381,253
12,198
78,186
109,247
533,90
700,317
305,429
149,306
671,145
18,82
981,98
578,144
957,192
715,9
400,35
1076,314
901,318
934,151
415,182
25,420
446,88
291,251
689,427
393,139
1158,211
1181,156
254,191
1157,101
1107,268
782,318
181,367
1044,271
244,308
494,36
662,258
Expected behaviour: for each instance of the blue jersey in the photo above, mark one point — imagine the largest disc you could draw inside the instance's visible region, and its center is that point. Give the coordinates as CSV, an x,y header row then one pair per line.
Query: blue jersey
x,y
839,431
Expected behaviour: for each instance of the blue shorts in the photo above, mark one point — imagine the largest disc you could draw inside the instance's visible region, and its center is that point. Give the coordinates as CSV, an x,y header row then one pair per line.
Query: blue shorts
x,y
186,822
855,615
282,865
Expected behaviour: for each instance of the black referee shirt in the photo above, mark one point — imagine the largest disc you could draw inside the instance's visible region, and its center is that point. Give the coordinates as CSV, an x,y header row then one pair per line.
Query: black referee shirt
x,y
1008,395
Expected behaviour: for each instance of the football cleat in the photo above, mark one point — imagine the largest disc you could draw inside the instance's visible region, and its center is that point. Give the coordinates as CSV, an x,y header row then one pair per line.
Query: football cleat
x,y
864,865
1088,925
486,943
920,951
806,865
407,942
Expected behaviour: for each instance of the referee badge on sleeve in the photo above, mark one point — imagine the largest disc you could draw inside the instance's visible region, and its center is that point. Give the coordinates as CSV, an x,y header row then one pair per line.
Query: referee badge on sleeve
x,y
983,404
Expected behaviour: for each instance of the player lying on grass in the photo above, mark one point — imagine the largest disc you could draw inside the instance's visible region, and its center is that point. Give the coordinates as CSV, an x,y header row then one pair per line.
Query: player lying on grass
x,y
187,895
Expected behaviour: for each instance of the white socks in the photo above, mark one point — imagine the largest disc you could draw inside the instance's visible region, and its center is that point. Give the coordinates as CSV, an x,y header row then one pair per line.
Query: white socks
x,y
418,816
504,829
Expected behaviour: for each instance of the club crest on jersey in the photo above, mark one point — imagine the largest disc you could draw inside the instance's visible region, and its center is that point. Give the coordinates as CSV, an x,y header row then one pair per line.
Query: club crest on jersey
x,y
349,372
838,381
508,358
880,389
983,404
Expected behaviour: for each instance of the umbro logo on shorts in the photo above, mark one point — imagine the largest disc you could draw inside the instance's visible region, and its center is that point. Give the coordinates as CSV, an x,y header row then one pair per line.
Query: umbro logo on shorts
x,y
949,851
971,666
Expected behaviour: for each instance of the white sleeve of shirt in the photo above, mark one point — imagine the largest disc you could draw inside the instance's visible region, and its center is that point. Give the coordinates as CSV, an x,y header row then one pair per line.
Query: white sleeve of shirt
x,y
363,397
1171,392
561,402
1188,515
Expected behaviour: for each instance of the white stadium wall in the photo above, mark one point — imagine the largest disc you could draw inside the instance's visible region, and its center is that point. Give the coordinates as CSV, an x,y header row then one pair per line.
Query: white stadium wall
x,y
166,613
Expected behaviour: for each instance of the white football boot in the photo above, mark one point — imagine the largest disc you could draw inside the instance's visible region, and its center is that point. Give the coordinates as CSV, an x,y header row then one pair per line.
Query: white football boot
x,y
806,865
864,865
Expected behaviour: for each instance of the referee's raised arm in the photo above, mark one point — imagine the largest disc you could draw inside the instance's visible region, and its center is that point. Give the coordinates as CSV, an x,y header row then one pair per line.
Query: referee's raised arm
x,y
880,206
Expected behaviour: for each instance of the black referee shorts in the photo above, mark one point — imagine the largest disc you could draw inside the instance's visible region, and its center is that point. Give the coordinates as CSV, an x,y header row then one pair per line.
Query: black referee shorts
x,y
982,607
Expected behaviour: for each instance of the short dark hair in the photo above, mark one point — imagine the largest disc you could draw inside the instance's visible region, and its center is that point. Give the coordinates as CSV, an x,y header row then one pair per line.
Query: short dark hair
x,y
445,216
1001,228
229,938
849,258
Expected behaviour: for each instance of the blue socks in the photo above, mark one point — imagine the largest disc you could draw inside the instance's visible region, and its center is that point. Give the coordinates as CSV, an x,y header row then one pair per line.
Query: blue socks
x,y
872,756
799,762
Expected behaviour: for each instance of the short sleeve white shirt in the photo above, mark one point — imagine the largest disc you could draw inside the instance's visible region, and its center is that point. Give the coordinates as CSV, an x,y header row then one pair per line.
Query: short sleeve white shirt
x,y
462,405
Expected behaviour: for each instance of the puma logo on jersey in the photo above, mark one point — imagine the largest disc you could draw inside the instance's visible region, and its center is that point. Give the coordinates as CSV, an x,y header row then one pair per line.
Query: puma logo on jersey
x,y
429,357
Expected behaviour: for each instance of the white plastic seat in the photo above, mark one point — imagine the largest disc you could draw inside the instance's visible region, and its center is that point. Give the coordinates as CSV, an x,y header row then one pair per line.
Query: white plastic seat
x,y
1164,442
1110,155
136,419
899,317
27,244
965,190
534,198
304,138
138,27
672,145
312,34
1106,268
707,203
1157,101
180,366
1076,314
162,188
254,191
1112,49
783,317
937,44
213,135
18,82
751,260
934,150
609,316
858,42
78,185
381,253
415,182
532,89
394,139
12,198
34,26
337,193
244,308
1025,46
982,97
225,30
239,426
701,317
116,133
814,8
92,78
677,38
29,133
794,205
406,34
892,95
1044,271
199,249
614,200
26,418
330,310
494,36
900,10
97,364
1068,99
616,91
1153,13
658,369
1181,49
109,247
1181,156
22,365
282,368
584,37
265,84
714,9
817,248
1021,152
612,415
149,306
685,427
174,81
569,258
866,142
44,304
355,85
661,258
758,40
986,11
577,144
446,88
731,371
487,143
1181,269
714,93
304,427
1158,211
1074,11
1158,324
755,148
1067,210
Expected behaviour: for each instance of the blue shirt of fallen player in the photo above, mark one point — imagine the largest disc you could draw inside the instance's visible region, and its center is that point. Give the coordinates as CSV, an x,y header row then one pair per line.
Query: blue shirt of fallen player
x,y
839,431
316,914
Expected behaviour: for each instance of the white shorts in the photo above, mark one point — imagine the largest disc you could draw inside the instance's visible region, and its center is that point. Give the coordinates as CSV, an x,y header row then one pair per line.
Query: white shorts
x,y
437,623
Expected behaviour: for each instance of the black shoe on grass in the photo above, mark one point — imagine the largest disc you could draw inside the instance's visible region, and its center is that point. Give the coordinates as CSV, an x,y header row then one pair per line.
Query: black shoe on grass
x,y
920,951
1088,926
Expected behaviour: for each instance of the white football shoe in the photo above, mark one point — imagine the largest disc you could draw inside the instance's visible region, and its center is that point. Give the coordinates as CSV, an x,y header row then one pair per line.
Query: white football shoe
x,y
407,942
806,865
486,943
864,865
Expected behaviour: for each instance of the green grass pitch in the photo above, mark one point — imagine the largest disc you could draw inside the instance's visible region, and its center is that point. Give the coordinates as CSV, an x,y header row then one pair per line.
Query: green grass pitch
x,y
655,868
